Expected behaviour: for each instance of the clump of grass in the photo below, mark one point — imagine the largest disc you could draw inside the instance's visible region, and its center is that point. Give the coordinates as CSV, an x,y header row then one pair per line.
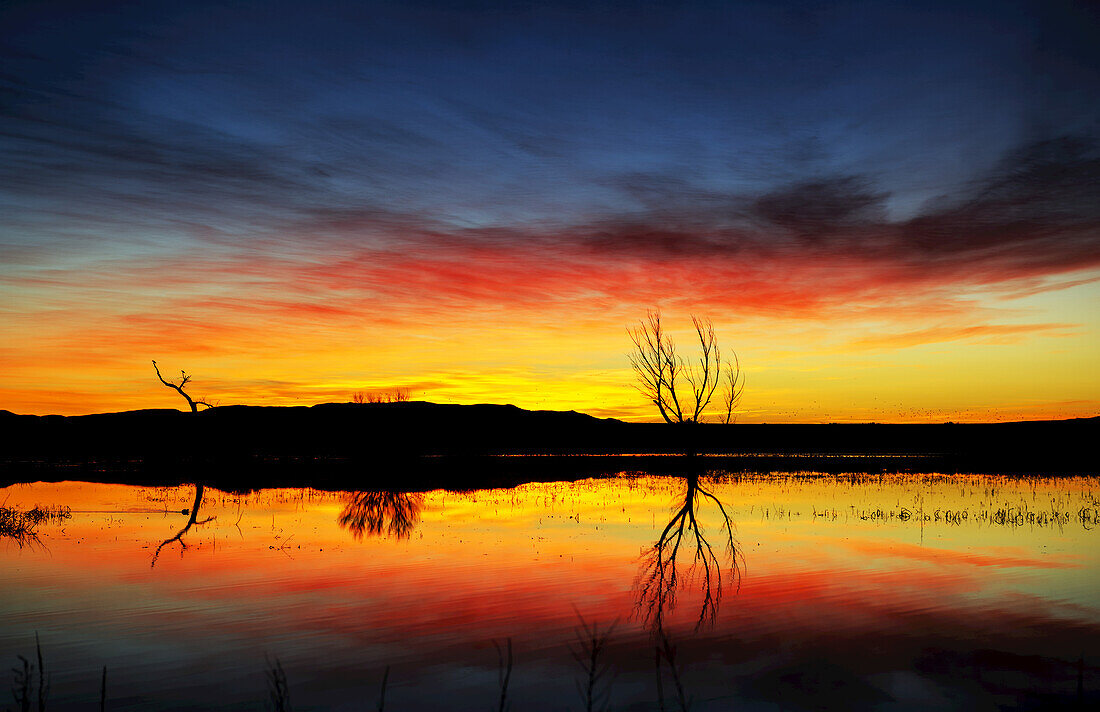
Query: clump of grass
x,y
591,644
277,686
21,526
23,689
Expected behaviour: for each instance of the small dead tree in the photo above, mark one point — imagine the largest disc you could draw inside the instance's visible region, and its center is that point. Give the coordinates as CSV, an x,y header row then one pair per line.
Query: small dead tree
x,y
662,373
178,387
735,386
396,395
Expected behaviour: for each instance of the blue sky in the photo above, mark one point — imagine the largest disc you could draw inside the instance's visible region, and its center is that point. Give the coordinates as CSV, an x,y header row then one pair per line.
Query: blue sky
x,y
245,115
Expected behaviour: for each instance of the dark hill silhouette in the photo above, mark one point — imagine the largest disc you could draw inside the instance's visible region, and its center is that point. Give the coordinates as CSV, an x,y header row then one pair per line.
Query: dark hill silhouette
x,y
419,443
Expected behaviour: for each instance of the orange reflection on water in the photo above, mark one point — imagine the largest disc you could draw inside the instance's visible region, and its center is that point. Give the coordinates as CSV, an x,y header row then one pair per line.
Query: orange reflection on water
x,y
420,580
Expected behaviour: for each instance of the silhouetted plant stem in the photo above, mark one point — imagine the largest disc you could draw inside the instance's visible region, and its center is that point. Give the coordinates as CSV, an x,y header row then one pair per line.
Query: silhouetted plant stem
x,y
43,682
590,645
21,690
103,691
382,693
277,686
668,651
505,672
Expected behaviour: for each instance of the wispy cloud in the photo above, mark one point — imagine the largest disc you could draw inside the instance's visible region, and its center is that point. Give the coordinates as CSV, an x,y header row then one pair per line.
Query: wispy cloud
x,y
226,182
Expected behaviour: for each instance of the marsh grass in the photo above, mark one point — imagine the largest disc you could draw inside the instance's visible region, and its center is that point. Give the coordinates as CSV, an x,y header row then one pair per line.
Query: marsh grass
x,y
382,692
277,688
31,682
664,651
922,499
21,526
504,673
23,688
594,687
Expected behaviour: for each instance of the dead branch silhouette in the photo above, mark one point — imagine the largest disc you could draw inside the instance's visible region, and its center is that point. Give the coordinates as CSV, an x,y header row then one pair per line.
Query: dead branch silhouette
x,y
178,387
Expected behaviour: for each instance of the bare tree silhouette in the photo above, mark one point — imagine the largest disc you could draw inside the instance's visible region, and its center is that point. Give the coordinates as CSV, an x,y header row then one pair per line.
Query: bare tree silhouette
x,y
396,395
178,387
191,521
375,513
662,373
660,577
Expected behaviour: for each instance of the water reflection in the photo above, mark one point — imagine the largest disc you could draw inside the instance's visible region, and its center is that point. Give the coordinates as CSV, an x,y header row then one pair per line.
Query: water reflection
x,y
192,520
912,592
685,543
371,513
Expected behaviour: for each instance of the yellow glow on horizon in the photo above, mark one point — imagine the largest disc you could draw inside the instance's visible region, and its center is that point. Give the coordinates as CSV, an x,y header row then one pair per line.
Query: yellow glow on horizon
x,y
1031,358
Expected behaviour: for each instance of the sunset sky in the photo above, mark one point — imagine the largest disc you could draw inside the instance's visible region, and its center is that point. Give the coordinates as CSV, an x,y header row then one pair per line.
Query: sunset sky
x,y
891,211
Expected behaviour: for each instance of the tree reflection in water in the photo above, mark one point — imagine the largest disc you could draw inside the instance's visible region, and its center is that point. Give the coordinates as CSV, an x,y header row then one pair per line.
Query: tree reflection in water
x,y
394,514
192,520
663,571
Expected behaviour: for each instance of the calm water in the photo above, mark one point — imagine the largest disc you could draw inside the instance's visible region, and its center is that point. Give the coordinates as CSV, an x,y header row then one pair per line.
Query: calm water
x,y
899,592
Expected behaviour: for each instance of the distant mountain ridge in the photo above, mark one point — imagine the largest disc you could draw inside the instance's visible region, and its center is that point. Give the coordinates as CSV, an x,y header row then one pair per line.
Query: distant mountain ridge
x,y
399,436
505,409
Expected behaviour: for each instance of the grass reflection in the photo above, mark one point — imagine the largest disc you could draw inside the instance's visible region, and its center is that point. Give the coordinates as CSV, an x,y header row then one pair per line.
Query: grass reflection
x,y
21,526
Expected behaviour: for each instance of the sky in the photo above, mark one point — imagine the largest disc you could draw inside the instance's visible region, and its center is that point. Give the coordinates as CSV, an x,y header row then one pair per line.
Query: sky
x,y
890,211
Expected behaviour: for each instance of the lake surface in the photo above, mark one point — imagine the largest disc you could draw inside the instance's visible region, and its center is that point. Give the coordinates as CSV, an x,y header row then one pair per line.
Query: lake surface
x,y
868,592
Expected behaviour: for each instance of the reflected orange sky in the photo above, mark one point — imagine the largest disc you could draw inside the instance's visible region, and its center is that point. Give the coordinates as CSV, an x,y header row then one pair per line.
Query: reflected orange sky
x,y
551,546
825,561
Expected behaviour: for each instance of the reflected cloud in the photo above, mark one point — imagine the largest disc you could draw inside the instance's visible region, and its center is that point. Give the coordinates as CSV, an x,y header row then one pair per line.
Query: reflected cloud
x,y
381,513
684,557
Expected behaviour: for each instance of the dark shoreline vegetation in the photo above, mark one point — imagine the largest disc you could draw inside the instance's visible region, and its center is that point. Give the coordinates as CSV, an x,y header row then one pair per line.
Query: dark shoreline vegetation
x,y
419,445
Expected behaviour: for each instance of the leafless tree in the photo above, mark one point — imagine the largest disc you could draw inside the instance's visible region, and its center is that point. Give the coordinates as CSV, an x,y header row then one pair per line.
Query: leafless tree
x,y
397,395
735,386
178,387
662,373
